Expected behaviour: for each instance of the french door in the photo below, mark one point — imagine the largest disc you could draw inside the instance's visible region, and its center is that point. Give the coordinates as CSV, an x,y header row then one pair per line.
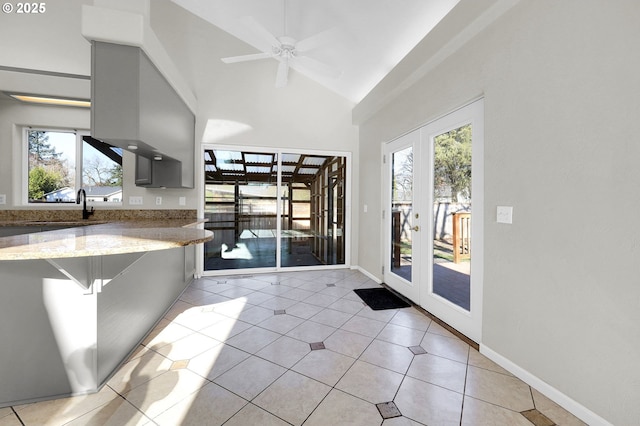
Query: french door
x,y
433,230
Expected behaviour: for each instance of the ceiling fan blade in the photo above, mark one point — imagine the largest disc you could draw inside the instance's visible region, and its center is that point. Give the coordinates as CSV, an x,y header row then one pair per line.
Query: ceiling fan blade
x,y
314,66
257,28
244,58
283,74
324,38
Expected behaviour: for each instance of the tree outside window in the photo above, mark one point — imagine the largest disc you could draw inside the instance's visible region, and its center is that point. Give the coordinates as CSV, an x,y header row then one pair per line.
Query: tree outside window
x,y
49,163
452,165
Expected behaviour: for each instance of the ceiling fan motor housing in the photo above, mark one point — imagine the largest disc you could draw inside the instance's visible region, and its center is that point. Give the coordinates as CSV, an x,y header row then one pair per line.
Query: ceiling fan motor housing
x,y
286,49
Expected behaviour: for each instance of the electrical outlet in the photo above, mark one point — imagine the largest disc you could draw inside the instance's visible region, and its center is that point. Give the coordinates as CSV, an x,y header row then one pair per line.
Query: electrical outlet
x,y
135,201
182,201
3,198
158,201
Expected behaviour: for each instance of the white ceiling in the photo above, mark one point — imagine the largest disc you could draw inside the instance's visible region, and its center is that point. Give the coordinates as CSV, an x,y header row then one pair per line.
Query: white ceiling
x,y
369,38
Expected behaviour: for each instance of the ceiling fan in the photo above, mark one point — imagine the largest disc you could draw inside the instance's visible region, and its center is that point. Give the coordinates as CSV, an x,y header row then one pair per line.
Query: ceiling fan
x,y
288,51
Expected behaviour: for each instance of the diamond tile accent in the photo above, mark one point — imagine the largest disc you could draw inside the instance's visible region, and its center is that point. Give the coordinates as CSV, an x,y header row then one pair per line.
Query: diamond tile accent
x,y
537,418
331,285
315,346
179,365
417,350
388,410
279,312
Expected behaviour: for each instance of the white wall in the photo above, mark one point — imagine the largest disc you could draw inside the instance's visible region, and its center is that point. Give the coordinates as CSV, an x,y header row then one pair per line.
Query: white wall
x,y
50,41
560,82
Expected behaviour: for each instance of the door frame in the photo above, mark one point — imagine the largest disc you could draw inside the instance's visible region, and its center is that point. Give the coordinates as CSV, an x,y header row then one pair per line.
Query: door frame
x,y
466,322
200,268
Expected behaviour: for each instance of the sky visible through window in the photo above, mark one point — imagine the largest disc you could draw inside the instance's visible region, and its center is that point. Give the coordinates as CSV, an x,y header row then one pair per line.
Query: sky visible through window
x,y
65,144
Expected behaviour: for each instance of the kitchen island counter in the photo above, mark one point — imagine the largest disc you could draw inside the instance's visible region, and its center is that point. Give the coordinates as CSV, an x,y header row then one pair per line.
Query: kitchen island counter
x,y
121,237
76,301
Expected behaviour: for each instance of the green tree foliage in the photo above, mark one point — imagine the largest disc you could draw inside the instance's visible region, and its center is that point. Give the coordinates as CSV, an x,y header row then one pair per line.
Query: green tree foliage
x,y
47,170
40,150
42,181
116,175
452,163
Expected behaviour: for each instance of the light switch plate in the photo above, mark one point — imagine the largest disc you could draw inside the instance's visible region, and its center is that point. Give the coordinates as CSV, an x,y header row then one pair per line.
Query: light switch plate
x,y
504,214
3,198
135,201
182,201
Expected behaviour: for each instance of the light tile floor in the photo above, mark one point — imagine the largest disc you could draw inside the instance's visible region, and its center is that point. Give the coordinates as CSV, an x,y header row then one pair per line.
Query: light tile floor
x,y
237,350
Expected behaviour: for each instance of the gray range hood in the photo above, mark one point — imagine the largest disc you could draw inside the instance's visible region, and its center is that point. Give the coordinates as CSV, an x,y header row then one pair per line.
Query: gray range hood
x,y
135,108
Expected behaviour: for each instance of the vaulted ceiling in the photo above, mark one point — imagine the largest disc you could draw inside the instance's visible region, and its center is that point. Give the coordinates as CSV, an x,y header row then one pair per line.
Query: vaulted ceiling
x,y
362,40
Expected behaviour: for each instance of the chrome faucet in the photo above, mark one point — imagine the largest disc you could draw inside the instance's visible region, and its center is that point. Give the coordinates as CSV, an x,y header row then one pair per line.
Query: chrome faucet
x,y
85,213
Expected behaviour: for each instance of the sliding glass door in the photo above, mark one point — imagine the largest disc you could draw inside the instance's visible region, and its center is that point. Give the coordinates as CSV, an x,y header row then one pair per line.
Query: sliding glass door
x,y
241,208
274,209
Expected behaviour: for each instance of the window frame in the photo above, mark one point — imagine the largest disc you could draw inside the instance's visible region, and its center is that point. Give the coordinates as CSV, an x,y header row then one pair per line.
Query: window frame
x,y
24,186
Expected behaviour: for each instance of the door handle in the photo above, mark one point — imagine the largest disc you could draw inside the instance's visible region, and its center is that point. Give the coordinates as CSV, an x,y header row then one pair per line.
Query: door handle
x,y
416,228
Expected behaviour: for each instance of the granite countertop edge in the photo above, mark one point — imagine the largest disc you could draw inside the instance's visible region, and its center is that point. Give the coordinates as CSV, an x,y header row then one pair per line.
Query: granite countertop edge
x,y
100,238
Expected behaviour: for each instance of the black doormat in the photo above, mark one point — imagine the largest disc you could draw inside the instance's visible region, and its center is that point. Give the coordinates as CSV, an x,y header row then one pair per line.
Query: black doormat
x,y
380,298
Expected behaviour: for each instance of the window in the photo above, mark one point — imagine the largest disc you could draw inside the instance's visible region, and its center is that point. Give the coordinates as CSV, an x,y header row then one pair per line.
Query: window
x,y
60,162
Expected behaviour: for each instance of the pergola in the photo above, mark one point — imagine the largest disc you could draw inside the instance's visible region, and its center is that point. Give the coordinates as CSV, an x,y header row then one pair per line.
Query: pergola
x,y
223,166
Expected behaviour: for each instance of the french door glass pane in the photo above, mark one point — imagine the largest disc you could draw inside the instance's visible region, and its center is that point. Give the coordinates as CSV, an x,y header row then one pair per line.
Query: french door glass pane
x,y
452,216
401,211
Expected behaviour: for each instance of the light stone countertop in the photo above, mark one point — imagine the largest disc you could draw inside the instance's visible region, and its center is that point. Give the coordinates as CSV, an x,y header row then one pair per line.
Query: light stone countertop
x,y
132,236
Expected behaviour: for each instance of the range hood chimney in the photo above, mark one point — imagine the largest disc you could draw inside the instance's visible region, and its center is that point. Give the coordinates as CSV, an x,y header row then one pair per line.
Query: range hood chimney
x,y
135,108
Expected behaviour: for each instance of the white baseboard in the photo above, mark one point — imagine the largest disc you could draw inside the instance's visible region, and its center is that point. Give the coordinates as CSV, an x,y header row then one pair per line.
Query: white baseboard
x,y
368,274
575,408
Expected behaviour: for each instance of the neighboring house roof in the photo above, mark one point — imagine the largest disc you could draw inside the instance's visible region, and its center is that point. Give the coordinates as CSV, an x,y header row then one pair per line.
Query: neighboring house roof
x,y
62,193
102,191
92,191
